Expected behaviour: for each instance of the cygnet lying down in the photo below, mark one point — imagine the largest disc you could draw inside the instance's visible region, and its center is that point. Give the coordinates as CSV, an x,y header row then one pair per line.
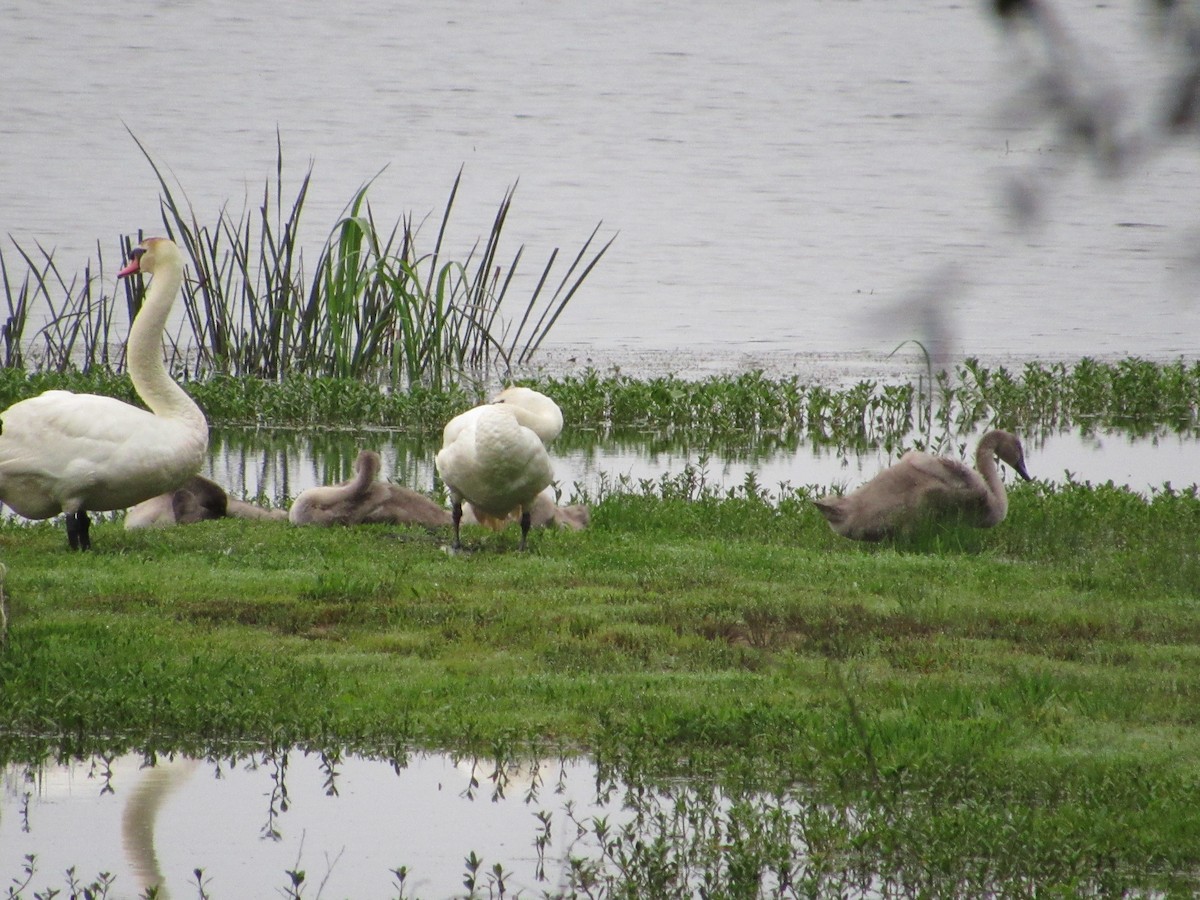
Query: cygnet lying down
x,y
364,501
196,500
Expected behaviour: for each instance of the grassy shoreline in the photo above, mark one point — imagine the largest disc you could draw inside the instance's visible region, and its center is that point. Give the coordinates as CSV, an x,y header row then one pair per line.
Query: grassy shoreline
x,y
1011,704
1010,711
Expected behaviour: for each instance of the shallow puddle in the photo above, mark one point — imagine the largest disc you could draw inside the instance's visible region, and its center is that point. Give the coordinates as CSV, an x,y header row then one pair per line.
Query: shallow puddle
x,y
432,825
347,824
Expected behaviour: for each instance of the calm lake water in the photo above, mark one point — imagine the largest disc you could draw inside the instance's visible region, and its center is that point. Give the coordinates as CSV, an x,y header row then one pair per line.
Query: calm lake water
x,y
783,174
278,465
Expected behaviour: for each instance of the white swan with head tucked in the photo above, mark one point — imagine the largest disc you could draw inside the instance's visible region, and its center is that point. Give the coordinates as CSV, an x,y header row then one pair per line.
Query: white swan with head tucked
x,y
921,485
66,452
494,456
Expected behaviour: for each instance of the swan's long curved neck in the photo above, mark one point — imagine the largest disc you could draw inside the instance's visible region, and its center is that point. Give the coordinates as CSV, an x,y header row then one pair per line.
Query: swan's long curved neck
x,y
145,353
366,471
985,464
544,423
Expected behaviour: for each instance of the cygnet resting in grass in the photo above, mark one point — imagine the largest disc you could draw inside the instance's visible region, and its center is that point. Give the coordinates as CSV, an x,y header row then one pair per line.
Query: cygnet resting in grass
x,y
197,500
364,501
494,456
921,485
544,513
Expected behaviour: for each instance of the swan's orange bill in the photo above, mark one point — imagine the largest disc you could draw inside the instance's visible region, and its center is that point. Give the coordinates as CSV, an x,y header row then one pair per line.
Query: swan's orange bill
x,y
131,268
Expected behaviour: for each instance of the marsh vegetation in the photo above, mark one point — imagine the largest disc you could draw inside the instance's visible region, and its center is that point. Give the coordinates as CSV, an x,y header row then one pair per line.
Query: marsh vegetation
x,y
958,713
382,301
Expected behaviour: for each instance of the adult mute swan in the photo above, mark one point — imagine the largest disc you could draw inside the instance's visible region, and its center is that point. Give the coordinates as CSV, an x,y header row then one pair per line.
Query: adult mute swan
x,y
922,485
66,452
364,501
494,456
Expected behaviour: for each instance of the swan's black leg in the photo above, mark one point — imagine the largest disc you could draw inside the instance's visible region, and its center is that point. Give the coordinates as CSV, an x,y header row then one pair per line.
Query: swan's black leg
x,y
456,517
77,530
72,531
526,521
82,524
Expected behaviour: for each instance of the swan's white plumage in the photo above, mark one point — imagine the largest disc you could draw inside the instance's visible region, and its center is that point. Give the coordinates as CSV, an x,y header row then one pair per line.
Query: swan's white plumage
x,y
67,452
495,457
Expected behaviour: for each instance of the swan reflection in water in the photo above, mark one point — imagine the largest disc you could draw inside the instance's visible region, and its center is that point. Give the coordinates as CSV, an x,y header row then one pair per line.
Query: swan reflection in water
x,y
152,824
154,784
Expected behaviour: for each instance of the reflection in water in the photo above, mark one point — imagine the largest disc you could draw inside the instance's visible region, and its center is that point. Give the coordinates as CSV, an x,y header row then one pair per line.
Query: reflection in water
x,y
277,464
350,821
430,825
153,785
426,824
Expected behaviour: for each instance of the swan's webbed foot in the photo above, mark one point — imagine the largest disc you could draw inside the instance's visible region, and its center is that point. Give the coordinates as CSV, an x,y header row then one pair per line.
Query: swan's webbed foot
x,y
78,524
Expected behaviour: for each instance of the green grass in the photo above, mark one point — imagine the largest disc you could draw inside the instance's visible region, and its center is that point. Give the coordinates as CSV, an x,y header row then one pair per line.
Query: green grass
x,y
1019,703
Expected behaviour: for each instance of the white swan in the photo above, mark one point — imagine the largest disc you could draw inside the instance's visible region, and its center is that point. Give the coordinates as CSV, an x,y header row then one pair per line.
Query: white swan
x,y
922,485
65,452
494,456
364,501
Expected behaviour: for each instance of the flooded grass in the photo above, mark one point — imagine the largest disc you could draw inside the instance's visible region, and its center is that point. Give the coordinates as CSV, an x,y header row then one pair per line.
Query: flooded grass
x,y
1009,711
1132,395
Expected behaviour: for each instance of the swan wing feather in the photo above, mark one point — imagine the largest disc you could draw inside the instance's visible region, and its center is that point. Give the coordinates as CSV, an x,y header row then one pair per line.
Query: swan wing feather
x,y
937,477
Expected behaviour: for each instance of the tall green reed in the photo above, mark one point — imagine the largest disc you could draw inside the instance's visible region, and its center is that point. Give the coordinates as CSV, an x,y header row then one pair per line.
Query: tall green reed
x,y
78,328
373,307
